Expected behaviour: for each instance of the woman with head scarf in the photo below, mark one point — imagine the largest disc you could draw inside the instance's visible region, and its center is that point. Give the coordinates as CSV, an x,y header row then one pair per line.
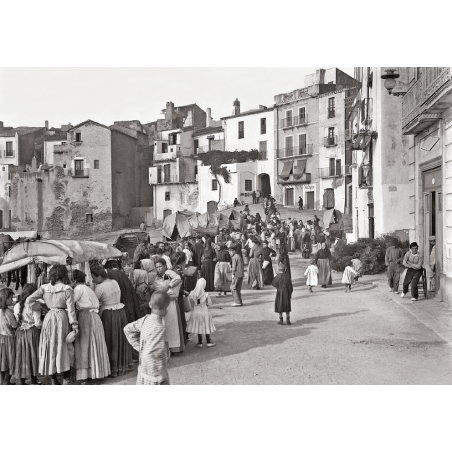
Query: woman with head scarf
x,y
267,267
284,289
208,266
322,260
142,290
284,256
255,275
306,247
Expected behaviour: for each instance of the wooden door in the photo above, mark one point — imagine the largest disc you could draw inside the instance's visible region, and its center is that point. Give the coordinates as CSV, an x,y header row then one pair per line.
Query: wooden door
x,y
289,196
439,239
310,200
1,219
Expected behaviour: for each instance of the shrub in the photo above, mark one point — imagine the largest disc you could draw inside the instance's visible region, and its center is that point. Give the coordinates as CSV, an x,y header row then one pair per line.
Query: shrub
x,y
371,253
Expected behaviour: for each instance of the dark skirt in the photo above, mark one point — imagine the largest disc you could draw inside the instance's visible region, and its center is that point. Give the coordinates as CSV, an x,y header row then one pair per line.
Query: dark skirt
x,y
180,304
282,301
27,353
119,349
208,273
324,272
268,274
190,282
7,353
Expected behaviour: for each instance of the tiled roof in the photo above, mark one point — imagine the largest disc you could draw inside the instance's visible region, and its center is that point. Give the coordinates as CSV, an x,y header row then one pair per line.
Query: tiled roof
x,y
208,130
26,130
87,121
59,135
7,133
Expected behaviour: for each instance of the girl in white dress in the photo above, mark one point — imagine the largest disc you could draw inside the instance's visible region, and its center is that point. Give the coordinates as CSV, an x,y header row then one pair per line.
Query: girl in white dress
x,y
311,273
201,321
348,277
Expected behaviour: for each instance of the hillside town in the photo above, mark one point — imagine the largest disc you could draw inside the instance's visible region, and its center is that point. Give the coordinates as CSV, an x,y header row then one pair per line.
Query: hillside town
x,y
235,234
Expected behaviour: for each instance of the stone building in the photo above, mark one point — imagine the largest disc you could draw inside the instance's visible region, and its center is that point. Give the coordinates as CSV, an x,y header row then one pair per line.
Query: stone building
x,y
379,159
427,122
88,187
310,141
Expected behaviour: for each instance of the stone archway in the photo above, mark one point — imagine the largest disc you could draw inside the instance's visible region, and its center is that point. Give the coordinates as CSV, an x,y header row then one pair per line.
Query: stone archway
x,y
264,185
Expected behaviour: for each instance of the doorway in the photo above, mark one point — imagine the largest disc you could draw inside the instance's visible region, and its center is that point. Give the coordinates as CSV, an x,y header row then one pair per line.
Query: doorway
x,y
167,213
211,207
1,219
265,185
350,199
289,197
309,200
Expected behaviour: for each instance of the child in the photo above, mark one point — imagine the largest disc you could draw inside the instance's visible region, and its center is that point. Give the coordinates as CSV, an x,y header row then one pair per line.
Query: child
x,y
357,266
8,324
311,273
201,321
347,278
27,338
147,336
284,291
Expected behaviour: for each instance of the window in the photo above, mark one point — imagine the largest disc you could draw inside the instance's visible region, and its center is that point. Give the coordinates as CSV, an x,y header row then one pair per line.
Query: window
x,y
78,137
79,168
196,146
289,146
167,173
167,196
89,218
263,149
331,108
159,174
214,185
9,191
96,164
332,166
248,185
302,143
241,129
301,115
172,139
196,172
338,167
64,165
3,168
164,148
9,149
210,143
288,118
263,126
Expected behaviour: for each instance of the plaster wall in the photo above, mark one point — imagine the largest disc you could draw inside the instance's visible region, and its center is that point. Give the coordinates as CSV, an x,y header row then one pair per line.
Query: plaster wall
x,y
9,160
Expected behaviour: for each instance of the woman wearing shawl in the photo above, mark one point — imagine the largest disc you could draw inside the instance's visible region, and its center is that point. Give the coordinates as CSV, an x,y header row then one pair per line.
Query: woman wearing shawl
x,y
189,281
284,290
223,272
291,245
201,320
306,245
255,275
322,261
284,256
142,289
267,254
208,266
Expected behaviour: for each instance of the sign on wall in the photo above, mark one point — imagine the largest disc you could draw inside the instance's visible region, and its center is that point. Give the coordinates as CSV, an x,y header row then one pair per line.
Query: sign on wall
x,y
153,175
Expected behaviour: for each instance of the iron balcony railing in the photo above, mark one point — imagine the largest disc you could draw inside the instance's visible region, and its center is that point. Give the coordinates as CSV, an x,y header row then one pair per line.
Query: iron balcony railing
x,y
292,121
325,173
330,141
430,83
295,151
304,178
81,172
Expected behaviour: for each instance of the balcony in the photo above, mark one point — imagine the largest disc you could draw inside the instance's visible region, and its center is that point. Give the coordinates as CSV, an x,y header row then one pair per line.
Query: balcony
x,y
304,178
175,179
296,151
294,121
81,173
327,173
427,98
215,145
330,141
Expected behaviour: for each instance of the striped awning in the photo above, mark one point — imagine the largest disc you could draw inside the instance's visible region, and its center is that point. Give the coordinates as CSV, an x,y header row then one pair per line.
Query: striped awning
x,y
299,169
286,170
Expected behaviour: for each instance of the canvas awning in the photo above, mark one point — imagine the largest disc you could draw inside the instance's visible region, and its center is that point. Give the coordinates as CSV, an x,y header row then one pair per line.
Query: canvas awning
x,y
286,170
299,169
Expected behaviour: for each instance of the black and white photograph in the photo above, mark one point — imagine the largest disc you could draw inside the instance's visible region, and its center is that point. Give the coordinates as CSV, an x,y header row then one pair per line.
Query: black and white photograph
x,y
284,223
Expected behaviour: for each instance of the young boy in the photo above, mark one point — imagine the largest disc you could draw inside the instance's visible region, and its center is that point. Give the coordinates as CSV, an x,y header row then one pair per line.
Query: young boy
x,y
147,336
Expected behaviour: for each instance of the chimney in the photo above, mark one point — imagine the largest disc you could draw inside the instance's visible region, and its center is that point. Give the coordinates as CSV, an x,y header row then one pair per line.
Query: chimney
x,y
236,105
47,125
208,117
1,124
321,76
169,111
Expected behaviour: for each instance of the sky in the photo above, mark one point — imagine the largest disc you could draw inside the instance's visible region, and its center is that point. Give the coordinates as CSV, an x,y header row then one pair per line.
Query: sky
x,y
30,96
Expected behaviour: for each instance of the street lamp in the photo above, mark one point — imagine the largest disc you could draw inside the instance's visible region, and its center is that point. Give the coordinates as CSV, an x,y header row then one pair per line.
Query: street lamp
x,y
390,81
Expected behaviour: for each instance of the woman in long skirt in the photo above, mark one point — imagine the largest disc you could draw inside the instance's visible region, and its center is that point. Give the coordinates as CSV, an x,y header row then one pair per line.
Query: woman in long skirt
x,y
91,354
223,272
322,260
189,281
284,290
267,267
255,275
58,296
208,266
27,338
283,257
142,290
8,324
114,319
